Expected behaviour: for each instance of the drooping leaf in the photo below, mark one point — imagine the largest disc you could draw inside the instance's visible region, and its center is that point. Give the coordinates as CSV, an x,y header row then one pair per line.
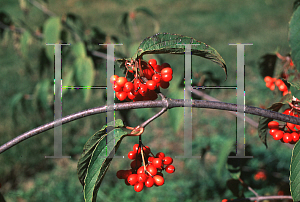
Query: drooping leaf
x,y
84,74
294,39
79,49
267,65
25,41
263,123
41,94
52,28
95,159
169,43
67,80
223,156
295,173
233,165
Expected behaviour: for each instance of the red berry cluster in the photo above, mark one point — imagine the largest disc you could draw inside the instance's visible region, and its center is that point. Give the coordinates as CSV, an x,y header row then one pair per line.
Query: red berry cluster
x,y
271,82
260,175
137,89
286,133
137,176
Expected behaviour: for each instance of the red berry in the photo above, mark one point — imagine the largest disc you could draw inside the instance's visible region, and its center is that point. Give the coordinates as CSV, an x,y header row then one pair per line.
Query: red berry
x,y
285,92
157,162
158,180
136,148
224,200
298,127
148,73
132,179
273,131
140,170
143,89
121,95
113,79
268,79
151,85
126,182
147,150
272,87
287,137
130,95
157,68
121,81
288,112
156,78
149,182
142,177
160,155
278,135
150,159
120,174
166,70
282,87
151,169
167,160
166,77
139,187
135,164
152,62
279,82
170,169
273,125
128,86
164,65
290,126
131,155
117,88
164,84
295,137
269,84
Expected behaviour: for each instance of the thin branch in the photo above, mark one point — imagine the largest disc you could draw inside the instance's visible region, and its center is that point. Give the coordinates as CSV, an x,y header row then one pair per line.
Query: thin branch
x,y
261,198
150,104
42,8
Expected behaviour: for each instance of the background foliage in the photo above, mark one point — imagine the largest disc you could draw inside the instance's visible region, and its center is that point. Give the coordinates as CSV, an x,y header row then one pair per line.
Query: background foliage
x,y
27,95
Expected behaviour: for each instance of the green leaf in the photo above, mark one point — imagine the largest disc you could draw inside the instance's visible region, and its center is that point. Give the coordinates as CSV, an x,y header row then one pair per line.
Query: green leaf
x,y
295,173
25,41
79,49
294,39
223,156
67,79
94,161
263,123
15,101
295,83
75,23
296,4
52,28
167,43
84,74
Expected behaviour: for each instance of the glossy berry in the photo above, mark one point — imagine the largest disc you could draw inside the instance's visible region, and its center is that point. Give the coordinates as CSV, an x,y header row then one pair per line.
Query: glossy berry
x,y
167,160
298,127
152,62
117,88
142,177
279,82
160,155
151,169
290,126
139,187
157,68
136,148
149,182
150,159
278,135
166,77
268,79
121,81
295,137
132,179
131,155
130,95
146,150
128,86
166,70
148,73
170,169
273,125
156,78
273,131
120,174
282,87
143,89
113,79
121,95
157,162
287,138
158,180
151,85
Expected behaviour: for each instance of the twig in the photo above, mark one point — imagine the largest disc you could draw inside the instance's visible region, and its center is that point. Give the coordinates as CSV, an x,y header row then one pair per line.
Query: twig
x,y
150,104
42,8
261,198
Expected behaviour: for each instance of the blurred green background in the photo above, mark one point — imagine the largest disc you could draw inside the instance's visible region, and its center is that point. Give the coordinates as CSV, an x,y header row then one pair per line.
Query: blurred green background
x,y
25,175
